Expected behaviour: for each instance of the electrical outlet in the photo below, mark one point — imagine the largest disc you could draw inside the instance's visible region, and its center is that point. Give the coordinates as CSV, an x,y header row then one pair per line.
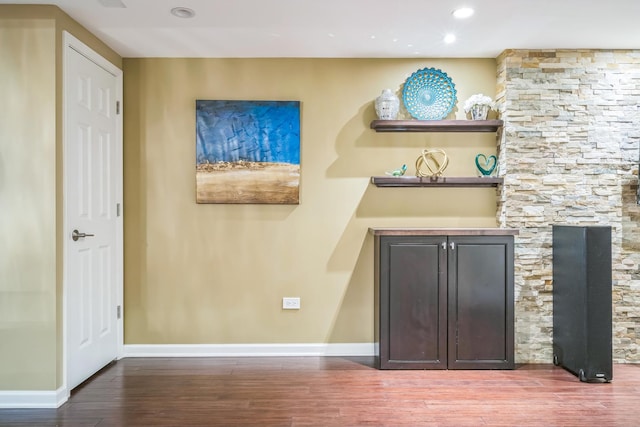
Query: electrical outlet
x,y
291,303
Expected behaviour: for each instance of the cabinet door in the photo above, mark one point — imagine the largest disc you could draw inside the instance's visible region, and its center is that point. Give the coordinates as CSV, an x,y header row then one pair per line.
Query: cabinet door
x,y
413,303
481,302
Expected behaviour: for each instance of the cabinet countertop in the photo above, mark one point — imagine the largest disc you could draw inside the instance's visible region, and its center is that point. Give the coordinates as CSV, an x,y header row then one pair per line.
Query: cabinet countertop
x,y
399,231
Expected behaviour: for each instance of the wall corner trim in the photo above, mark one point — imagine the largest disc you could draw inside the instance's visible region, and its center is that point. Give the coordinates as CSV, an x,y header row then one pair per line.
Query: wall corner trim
x,y
247,350
27,399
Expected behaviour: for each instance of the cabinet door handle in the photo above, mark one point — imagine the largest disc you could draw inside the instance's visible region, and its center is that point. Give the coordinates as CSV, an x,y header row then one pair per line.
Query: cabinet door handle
x,y
452,245
444,245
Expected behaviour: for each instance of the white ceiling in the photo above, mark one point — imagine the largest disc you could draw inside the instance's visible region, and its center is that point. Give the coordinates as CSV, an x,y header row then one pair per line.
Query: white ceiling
x,y
354,28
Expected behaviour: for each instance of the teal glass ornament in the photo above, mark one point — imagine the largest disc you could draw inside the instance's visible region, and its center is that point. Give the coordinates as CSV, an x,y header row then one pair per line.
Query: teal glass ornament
x,y
486,165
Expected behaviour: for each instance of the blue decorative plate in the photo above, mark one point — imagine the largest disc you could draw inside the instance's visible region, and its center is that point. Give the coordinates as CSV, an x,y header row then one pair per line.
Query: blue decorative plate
x,y
429,94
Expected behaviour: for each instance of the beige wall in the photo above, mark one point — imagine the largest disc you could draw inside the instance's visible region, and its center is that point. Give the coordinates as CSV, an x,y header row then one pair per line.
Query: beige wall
x,y
27,202
31,258
217,273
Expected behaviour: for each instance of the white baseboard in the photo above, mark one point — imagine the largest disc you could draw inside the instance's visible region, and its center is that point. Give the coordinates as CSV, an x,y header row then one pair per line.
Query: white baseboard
x,y
247,350
33,399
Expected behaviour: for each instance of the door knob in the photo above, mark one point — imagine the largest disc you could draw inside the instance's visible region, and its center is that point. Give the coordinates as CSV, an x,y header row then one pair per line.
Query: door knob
x,y
75,235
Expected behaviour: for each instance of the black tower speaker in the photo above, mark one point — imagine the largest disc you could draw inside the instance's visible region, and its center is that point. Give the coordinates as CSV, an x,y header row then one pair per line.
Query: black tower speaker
x,y
582,283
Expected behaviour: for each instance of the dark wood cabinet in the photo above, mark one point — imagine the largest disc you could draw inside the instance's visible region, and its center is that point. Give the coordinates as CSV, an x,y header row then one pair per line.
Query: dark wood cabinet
x,y
413,303
444,301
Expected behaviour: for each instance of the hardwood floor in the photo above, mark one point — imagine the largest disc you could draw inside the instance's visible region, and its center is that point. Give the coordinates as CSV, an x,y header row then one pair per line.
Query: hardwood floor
x,y
335,391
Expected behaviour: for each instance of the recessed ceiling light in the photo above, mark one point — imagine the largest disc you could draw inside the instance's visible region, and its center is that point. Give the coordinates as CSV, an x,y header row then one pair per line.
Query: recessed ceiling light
x,y
449,38
463,12
183,12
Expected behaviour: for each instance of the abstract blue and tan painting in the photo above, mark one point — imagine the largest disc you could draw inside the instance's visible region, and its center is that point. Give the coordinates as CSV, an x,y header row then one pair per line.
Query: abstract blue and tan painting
x,y
247,151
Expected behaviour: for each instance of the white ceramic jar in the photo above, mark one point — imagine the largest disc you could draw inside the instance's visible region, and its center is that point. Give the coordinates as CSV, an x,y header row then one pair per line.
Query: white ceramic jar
x,y
387,105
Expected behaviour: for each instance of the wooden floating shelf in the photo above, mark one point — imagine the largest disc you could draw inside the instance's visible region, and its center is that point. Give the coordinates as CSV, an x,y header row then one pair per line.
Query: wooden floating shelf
x,y
436,125
442,181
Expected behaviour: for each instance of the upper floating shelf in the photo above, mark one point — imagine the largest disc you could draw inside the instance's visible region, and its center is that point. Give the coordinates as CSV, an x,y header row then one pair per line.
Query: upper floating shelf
x,y
436,125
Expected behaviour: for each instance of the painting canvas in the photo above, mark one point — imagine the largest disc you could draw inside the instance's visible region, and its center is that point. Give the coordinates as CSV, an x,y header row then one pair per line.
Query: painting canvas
x,y
247,151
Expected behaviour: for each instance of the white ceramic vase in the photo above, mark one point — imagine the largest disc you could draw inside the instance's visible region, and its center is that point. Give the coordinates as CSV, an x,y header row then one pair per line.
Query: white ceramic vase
x,y
387,105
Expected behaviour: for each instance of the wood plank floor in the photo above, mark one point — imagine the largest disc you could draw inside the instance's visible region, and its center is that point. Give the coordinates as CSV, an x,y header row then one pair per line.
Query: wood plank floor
x,y
335,391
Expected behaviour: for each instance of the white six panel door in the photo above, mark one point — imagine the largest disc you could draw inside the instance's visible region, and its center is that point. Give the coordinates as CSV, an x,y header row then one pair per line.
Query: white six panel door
x,y
90,156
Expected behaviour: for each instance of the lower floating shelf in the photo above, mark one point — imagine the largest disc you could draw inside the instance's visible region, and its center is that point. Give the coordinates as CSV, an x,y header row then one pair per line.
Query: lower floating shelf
x,y
440,181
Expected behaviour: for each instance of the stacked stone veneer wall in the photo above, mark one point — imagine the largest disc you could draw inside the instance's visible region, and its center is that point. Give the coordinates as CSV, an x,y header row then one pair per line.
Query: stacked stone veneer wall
x,y
569,155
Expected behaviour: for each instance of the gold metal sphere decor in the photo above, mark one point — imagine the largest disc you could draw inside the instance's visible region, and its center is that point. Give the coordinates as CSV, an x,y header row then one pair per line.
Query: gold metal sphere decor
x,y
434,160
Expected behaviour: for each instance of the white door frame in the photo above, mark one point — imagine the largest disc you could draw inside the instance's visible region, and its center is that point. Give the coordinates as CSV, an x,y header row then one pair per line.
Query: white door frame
x,y
71,42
